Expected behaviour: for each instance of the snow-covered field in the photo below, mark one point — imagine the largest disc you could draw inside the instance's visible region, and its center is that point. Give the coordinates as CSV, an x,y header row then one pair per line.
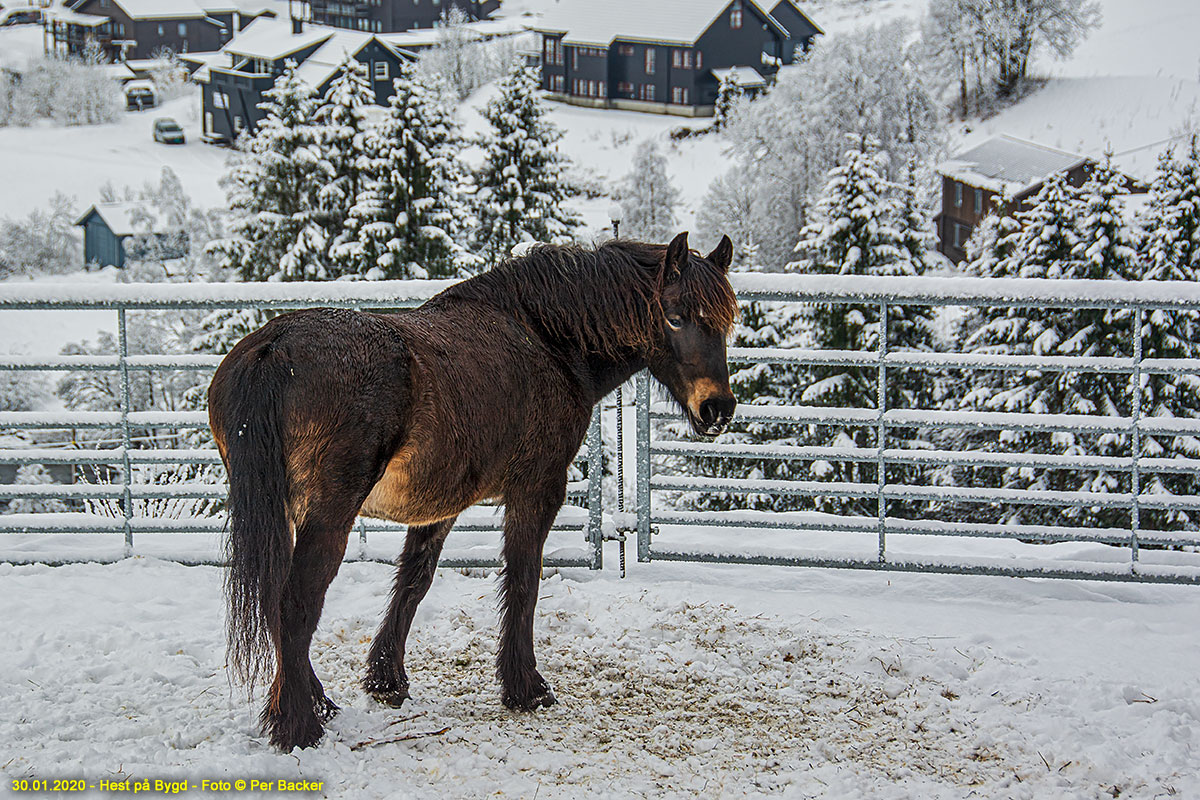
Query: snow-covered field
x,y
680,681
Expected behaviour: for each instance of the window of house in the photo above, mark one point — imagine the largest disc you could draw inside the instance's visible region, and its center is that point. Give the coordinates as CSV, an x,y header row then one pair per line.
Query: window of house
x,y
574,58
647,92
961,234
979,201
699,60
160,30
626,50
958,195
220,100
183,29
735,15
238,124
679,95
649,60
681,59
556,83
624,87
381,71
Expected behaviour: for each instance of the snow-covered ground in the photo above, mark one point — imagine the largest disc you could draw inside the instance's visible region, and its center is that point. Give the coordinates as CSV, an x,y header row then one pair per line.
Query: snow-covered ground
x,y
680,681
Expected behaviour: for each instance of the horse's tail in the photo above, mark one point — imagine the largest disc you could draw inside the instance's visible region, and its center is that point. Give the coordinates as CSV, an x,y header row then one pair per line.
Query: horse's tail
x,y
248,401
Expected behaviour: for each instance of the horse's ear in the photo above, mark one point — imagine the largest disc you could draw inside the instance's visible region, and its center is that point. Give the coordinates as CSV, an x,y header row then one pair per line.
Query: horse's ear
x,y
677,256
722,255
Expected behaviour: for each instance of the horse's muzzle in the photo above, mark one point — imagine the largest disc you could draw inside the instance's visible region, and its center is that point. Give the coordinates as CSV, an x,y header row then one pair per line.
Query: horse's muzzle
x,y
715,415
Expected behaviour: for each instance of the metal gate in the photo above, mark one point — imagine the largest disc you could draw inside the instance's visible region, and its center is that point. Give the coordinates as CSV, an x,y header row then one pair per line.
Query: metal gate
x,y
886,541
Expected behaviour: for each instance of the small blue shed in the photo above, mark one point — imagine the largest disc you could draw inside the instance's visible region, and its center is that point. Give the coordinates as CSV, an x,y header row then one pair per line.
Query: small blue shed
x,y
108,229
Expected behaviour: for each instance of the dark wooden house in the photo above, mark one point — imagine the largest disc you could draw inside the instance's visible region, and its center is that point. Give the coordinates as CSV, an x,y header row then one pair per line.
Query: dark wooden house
x,y
666,56
113,232
974,180
390,16
140,29
234,81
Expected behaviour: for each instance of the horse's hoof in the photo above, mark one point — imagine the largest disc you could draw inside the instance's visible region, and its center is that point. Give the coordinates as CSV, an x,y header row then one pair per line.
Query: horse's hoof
x,y
542,699
391,697
286,736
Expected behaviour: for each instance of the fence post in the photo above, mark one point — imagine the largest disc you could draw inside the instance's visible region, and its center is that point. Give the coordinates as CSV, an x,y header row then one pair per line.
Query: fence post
x,y
881,430
1135,488
126,437
595,462
643,465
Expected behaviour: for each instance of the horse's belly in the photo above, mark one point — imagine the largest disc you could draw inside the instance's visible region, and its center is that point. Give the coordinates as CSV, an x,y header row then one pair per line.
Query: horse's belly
x,y
415,494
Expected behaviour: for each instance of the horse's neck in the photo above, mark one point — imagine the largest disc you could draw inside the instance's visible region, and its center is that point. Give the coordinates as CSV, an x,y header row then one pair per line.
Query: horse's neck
x,y
606,374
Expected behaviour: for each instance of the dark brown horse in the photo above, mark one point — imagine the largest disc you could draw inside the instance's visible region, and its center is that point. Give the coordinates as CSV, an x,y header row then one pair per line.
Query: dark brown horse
x,y
483,392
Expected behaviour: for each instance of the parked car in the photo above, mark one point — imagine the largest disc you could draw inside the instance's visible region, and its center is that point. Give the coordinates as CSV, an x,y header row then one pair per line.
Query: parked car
x,y
140,95
167,131
20,16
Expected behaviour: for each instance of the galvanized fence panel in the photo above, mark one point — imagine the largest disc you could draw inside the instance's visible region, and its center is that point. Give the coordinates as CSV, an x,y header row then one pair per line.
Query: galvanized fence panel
x,y
73,535
929,543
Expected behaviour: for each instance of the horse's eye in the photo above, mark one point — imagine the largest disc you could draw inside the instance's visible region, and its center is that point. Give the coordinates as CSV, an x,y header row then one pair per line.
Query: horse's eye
x,y
675,321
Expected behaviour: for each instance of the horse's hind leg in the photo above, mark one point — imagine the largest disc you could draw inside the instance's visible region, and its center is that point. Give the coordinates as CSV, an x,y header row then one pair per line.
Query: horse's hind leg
x,y
386,680
527,522
297,707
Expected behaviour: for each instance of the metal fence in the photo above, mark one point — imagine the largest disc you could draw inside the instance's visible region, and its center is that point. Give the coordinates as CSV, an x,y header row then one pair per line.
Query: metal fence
x,y
925,542
123,515
891,538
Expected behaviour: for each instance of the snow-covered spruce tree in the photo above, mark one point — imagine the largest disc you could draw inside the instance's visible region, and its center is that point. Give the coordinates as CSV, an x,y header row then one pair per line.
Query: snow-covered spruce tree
x,y
35,475
1049,245
342,141
410,215
273,187
729,96
648,198
523,188
857,231
1171,252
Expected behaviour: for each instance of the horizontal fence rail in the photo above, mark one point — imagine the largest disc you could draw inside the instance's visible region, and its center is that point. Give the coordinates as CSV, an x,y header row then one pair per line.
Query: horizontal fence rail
x,y
902,523
125,505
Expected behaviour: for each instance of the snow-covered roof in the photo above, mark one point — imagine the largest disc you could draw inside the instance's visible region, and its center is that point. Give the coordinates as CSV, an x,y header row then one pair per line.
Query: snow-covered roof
x,y
273,38
1006,162
747,77
203,62
324,63
70,17
123,219
161,9
587,22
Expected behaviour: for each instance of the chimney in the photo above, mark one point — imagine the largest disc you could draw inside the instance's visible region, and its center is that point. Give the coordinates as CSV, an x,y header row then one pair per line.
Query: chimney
x,y
297,25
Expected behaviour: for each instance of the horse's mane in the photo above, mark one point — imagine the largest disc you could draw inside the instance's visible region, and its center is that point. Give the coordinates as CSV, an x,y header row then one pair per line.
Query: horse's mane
x,y
606,299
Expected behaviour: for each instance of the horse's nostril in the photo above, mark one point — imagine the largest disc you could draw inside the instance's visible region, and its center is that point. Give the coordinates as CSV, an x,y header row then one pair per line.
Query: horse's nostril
x,y
709,412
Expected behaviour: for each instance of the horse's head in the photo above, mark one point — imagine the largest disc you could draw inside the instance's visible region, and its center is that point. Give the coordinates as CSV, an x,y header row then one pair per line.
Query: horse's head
x,y
698,311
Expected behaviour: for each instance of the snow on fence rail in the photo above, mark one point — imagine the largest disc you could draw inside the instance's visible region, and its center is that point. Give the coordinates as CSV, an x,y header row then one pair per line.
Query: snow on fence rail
x,y
135,500
883,540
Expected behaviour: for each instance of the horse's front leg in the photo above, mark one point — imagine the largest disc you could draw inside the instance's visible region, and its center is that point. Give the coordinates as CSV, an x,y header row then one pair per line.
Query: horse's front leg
x,y
529,513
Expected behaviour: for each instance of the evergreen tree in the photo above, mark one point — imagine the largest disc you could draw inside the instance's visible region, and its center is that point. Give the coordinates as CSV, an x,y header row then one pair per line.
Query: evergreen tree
x,y
1171,252
409,217
273,188
1046,246
647,197
858,231
1061,237
342,138
729,95
523,189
